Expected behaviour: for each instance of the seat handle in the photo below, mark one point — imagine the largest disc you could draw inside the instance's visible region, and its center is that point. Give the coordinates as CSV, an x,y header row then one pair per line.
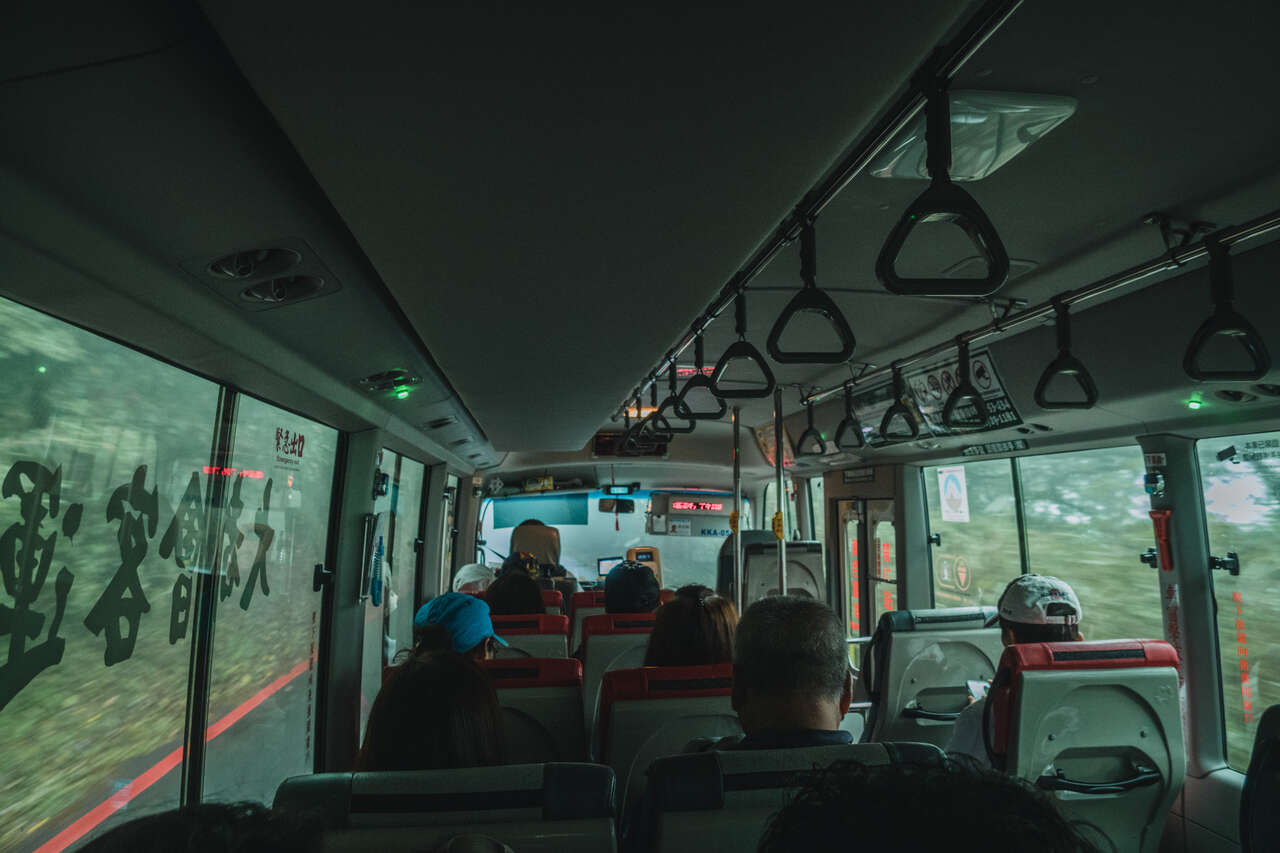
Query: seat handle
x,y
938,716
943,201
744,350
810,434
1065,364
899,409
964,391
698,380
1059,782
811,298
849,433
1225,320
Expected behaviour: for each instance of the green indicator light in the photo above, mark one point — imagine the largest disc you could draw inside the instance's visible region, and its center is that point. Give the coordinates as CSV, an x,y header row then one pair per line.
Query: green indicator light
x,y
42,369
402,393
1194,404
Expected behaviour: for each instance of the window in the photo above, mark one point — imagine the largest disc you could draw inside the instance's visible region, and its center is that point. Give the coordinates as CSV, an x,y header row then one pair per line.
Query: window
x,y
883,561
1241,478
972,512
790,528
267,623
1087,520
98,447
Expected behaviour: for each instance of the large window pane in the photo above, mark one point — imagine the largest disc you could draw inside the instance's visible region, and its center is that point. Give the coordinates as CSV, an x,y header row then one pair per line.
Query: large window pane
x,y
267,623
98,445
971,510
1242,507
1087,520
883,560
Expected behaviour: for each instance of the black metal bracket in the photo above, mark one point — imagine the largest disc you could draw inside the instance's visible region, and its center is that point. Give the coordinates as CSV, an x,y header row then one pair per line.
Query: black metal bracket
x,y
696,381
935,539
1225,320
812,299
964,391
1150,557
741,349
320,577
1177,234
849,433
943,201
810,434
899,409
1229,564
1065,364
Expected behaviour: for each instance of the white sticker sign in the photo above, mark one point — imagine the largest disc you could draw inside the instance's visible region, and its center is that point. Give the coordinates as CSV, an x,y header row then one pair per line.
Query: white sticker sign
x,y
680,527
954,494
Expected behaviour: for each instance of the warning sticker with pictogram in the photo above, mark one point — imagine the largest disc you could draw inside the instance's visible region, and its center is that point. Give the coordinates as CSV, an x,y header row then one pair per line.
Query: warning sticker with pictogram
x,y
953,493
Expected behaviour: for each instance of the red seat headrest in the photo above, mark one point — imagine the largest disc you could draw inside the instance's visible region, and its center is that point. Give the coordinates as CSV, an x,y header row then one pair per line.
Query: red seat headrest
x,y
617,623
660,682
552,598
531,623
534,672
590,598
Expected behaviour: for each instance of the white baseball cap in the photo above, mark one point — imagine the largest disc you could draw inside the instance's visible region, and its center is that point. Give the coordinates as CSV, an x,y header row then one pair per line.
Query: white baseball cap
x,y
1039,600
473,573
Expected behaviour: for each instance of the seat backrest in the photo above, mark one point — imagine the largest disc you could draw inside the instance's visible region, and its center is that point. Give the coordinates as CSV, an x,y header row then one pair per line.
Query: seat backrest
x,y
1259,819
805,574
649,556
529,807
915,669
654,711
610,641
721,800
540,540
583,604
553,601
1098,725
541,708
536,635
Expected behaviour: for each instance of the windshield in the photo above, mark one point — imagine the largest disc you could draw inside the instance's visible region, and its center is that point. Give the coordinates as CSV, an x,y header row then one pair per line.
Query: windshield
x,y
587,534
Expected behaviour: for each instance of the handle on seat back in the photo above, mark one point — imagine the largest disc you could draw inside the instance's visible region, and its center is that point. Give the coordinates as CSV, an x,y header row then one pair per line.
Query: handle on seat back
x,y
1059,782
964,391
810,298
1225,320
899,409
943,201
922,714
1065,364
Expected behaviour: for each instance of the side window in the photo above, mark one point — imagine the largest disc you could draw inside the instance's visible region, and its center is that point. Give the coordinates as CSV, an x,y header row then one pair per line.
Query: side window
x,y
1087,520
103,469
267,622
1241,478
883,559
972,511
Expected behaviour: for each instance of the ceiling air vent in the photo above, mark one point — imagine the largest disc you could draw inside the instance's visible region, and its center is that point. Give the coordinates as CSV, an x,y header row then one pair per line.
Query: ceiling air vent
x,y
390,380
1228,395
474,455
281,291
256,263
441,423
458,442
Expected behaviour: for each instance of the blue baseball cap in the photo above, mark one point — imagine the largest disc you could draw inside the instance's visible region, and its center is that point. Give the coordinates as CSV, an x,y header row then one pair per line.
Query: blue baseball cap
x,y
465,617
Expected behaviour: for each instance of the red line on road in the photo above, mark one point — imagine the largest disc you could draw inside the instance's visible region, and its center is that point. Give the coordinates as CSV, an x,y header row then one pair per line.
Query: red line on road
x,y
157,771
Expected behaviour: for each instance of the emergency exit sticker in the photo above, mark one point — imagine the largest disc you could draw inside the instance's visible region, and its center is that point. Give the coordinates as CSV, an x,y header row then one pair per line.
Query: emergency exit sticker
x,y
953,493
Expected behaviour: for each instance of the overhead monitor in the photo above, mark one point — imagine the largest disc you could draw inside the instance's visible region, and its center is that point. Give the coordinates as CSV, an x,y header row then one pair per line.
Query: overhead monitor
x,y
682,505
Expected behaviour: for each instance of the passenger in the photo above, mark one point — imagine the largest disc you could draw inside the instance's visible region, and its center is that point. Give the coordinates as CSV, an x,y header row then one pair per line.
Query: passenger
x,y
455,622
521,562
543,542
211,828
925,808
515,593
1032,609
434,712
473,577
631,587
694,628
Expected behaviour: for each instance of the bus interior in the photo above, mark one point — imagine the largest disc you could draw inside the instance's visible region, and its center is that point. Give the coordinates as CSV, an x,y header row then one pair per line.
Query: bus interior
x,y
304,307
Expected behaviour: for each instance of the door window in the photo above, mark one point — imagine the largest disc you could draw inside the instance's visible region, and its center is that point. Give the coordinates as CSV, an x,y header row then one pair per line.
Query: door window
x,y
972,512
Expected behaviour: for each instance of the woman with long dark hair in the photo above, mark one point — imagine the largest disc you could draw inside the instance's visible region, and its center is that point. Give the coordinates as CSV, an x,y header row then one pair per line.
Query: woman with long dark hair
x,y
694,628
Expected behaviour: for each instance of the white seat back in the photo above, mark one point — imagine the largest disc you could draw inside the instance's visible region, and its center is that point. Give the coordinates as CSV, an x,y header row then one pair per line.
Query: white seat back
x,y
610,641
541,708
534,646
579,614
530,807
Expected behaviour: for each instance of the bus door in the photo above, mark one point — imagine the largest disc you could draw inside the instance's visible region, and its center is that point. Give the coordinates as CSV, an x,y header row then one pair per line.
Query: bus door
x,y
868,557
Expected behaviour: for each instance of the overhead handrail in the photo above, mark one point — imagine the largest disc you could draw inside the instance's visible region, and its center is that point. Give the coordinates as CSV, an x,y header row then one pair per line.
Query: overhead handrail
x,y
849,433
811,299
741,349
810,434
964,391
943,201
698,380
1225,320
899,409
669,405
1065,364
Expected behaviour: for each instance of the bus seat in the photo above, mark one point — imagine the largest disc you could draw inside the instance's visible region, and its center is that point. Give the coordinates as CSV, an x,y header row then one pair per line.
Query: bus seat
x,y
537,635
529,807
647,555
610,641
583,604
915,668
665,595
1099,726
721,800
541,707
1259,819
540,540
553,601
805,574
654,711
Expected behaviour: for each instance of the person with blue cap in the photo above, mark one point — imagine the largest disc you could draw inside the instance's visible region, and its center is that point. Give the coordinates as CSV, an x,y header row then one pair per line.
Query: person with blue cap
x,y
456,622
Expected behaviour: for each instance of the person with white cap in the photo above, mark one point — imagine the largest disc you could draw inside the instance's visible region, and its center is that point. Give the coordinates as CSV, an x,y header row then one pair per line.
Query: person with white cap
x,y
473,577
1032,609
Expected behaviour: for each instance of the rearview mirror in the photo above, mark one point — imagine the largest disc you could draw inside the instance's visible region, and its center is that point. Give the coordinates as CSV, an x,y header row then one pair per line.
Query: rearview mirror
x,y
620,505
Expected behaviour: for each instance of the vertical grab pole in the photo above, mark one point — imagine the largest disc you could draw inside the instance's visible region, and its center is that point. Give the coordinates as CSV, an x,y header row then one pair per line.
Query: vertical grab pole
x,y
780,517
738,593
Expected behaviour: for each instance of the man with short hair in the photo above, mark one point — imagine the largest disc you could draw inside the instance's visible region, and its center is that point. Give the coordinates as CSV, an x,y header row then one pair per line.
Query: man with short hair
x,y
1032,609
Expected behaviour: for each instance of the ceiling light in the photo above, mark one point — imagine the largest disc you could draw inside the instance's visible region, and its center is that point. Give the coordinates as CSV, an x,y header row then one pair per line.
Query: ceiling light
x,y
988,129
402,393
1193,405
